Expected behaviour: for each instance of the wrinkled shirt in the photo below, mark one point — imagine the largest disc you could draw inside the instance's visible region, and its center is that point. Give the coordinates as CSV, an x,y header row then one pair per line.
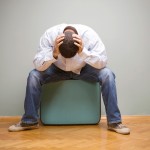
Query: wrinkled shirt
x,y
93,53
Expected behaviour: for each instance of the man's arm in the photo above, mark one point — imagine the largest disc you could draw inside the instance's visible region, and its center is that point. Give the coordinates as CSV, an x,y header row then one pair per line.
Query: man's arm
x,y
92,52
47,54
58,42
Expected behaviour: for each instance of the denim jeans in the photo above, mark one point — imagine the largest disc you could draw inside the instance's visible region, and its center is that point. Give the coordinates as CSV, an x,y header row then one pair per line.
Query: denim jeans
x,y
36,79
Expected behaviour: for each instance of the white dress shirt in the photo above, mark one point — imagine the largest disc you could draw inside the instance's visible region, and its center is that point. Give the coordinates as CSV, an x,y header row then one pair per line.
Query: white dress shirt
x,y
93,53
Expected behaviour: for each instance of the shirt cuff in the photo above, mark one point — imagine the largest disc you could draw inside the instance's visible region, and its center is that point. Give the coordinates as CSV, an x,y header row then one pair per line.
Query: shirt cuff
x,y
49,57
84,54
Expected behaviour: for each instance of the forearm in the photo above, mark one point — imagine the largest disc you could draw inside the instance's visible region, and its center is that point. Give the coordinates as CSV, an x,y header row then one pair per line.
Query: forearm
x,y
44,66
96,60
43,61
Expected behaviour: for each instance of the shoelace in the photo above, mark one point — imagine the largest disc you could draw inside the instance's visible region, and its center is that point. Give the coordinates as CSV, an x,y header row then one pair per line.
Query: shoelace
x,y
18,124
121,125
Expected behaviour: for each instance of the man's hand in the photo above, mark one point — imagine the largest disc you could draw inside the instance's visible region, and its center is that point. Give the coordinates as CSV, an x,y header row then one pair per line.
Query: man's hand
x,y
78,42
58,42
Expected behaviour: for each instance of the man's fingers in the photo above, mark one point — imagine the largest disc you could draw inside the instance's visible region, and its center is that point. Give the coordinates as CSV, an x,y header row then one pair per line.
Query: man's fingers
x,y
77,40
61,35
77,44
60,39
76,36
60,43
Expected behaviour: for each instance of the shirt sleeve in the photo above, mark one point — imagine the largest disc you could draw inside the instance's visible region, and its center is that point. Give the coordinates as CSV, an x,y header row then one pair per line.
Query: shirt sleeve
x,y
94,52
44,56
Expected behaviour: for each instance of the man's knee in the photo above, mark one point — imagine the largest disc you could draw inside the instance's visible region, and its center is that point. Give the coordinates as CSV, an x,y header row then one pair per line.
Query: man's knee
x,y
106,74
34,74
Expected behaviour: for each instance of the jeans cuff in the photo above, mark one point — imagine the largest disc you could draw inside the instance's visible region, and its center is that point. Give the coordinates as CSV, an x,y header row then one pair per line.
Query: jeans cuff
x,y
117,121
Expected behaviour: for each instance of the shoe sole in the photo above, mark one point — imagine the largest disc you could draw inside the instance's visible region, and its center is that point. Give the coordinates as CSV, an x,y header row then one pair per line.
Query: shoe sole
x,y
23,128
118,131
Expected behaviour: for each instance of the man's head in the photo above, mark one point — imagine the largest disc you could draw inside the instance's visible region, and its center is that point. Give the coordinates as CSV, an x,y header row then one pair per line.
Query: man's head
x,y
71,29
68,49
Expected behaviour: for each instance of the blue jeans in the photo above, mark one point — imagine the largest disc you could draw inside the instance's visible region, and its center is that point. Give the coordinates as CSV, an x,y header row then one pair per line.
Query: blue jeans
x,y
36,79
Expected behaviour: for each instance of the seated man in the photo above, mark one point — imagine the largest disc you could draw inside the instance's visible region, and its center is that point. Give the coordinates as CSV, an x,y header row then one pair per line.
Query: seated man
x,y
70,52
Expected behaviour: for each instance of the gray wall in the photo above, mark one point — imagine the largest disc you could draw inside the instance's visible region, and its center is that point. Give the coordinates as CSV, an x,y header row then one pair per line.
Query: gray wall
x,y
123,25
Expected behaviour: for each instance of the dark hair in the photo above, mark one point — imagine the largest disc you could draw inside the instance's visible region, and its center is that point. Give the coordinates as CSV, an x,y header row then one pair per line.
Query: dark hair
x,y
71,28
68,49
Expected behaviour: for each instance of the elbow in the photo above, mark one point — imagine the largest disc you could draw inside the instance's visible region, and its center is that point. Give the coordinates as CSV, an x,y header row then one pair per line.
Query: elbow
x,y
103,64
40,68
100,64
43,67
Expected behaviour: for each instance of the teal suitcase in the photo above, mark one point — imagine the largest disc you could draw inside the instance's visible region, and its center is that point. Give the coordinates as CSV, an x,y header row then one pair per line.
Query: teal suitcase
x,y
70,102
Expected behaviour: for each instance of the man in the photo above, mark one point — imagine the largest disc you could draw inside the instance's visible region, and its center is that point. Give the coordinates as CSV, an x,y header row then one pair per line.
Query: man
x,y
70,52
